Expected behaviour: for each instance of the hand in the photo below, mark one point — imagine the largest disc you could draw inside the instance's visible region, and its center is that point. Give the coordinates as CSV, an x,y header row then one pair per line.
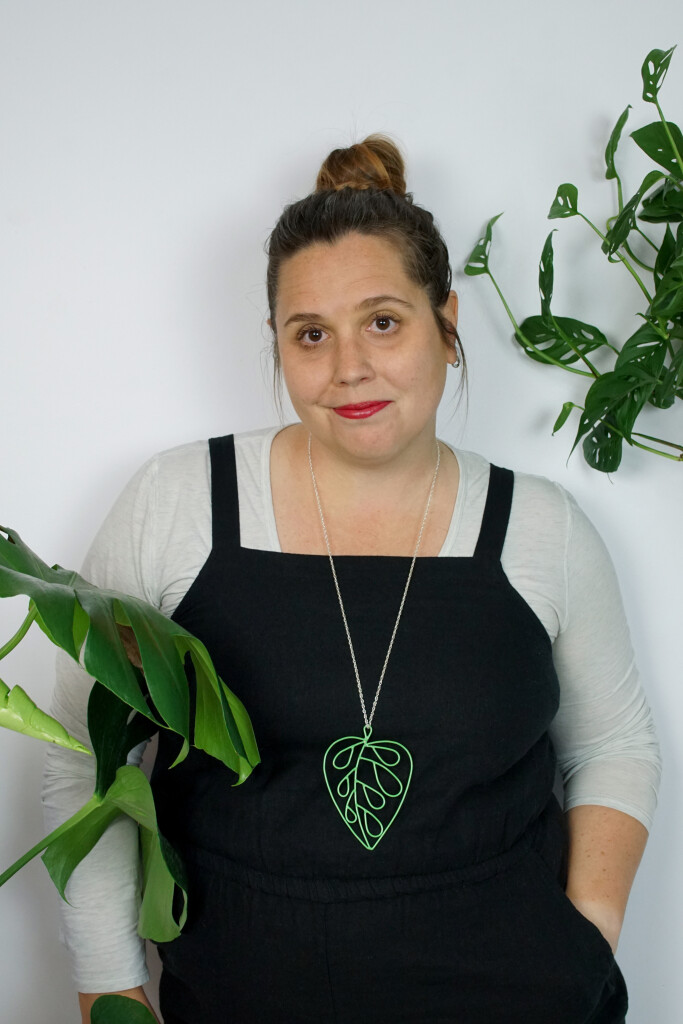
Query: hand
x,y
605,918
131,645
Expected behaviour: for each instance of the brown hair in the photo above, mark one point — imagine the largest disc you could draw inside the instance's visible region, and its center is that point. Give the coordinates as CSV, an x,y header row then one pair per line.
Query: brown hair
x,y
362,188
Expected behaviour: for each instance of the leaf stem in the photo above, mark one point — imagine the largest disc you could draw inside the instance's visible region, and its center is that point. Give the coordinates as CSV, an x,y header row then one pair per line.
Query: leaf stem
x,y
20,633
679,160
669,345
636,259
646,447
575,349
655,451
84,811
613,347
658,324
647,238
529,344
659,440
619,257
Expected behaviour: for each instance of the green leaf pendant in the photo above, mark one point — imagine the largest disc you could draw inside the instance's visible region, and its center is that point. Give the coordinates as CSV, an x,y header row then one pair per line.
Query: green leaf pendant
x,y
368,781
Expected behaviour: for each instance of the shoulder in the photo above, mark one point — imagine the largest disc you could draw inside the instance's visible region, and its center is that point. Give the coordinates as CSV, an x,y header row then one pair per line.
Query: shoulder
x,y
540,549
184,471
540,506
252,454
174,466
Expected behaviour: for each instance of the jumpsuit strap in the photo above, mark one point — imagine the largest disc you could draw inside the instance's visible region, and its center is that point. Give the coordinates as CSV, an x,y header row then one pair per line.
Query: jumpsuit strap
x,y
225,509
496,514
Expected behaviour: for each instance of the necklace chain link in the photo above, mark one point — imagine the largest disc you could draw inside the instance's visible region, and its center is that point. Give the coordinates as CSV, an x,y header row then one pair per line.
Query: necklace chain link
x,y
368,719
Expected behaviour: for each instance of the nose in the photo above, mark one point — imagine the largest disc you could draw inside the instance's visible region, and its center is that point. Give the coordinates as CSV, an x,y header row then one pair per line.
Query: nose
x,y
352,361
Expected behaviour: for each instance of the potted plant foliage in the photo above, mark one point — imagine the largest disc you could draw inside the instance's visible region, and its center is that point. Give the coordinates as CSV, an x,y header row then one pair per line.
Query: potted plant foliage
x,y
138,658
647,369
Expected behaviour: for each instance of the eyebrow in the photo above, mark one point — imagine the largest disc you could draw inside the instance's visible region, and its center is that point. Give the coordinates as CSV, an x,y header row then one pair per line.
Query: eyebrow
x,y
372,300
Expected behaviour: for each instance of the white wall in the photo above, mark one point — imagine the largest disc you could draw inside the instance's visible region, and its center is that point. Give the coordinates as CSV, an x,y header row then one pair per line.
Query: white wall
x,y
147,150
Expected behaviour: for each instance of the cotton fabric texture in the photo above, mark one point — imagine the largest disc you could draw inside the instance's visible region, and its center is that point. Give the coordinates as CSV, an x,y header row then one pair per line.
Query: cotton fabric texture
x,y
472,692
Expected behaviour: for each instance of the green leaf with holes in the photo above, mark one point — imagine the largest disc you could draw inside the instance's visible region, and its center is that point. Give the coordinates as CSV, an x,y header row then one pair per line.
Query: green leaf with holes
x,y
478,262
653,72
670,385
565,203
614,400
610,151
654,140
626,221
666,255
664,205
560,337
602,448
546,276
668,300
642,356
649,367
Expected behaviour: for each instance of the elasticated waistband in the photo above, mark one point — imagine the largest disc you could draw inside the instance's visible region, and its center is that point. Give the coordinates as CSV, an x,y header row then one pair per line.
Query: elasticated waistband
x,y
333,890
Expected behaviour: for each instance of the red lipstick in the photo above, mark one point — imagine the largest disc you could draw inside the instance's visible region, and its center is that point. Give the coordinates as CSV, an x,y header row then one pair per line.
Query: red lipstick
x,y
360,411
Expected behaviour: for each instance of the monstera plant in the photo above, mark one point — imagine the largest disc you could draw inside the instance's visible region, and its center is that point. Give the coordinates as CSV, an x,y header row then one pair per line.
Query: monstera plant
x,y
138,658
647,368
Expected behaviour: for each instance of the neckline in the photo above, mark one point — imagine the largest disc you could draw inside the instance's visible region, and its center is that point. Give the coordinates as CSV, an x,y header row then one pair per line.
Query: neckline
x,y
271,524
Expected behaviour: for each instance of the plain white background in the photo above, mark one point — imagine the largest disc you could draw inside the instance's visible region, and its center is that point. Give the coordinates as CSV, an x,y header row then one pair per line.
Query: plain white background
x,y
147,150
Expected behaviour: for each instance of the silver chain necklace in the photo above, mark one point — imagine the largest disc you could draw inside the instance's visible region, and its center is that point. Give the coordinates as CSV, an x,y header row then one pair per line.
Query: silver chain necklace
x,y
368,779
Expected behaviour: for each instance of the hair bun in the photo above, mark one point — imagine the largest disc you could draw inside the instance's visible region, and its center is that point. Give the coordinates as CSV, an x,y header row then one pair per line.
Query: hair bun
x,y
373,163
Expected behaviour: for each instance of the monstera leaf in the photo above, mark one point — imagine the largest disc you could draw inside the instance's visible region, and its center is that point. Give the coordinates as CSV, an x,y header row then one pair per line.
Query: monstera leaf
x,y
19,713
120,1010
478,262
84,621
103,630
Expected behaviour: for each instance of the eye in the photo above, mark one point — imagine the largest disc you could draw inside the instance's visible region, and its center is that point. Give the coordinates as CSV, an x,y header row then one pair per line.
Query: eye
x,y
383,319
304,336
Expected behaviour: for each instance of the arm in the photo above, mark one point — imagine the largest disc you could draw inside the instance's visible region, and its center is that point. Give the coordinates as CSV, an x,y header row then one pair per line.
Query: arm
x,y
152,544
99,921
603,733
605,848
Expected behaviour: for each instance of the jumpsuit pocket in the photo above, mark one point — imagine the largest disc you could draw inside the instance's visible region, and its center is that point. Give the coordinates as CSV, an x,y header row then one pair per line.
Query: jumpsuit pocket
x,y
587,953
586,931
577,980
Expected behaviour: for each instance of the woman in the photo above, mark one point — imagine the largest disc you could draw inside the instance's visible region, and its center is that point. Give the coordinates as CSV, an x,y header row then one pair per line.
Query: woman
x,y
380,601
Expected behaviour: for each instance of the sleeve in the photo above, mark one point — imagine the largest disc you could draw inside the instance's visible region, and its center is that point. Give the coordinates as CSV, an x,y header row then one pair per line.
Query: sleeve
x,y
99,921
603,733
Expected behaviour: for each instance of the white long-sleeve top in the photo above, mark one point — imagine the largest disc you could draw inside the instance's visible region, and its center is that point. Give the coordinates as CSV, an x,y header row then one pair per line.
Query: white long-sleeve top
x,y
158,536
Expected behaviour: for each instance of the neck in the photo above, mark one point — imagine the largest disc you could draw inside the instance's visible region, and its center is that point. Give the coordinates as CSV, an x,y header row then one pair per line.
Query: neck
x,y
390,482
369,509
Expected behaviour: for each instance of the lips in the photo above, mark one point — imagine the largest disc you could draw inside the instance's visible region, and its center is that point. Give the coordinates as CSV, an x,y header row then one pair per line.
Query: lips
x,y
360,411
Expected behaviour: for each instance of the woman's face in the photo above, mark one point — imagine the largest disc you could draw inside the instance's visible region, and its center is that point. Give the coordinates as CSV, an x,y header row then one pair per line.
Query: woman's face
x,y
362,356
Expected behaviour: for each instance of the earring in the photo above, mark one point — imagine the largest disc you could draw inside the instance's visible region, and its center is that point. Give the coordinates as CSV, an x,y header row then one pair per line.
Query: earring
x,y
456,360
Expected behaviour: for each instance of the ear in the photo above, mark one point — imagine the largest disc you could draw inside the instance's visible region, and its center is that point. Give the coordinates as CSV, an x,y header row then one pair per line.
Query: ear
x,y
450,311
269,323
450,308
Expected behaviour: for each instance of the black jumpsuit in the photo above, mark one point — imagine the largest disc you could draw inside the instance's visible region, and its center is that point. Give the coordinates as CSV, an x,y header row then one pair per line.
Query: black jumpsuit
x,y
459,913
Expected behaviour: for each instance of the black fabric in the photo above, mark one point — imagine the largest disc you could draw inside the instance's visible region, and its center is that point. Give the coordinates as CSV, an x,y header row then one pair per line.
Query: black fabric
x,y
459,913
